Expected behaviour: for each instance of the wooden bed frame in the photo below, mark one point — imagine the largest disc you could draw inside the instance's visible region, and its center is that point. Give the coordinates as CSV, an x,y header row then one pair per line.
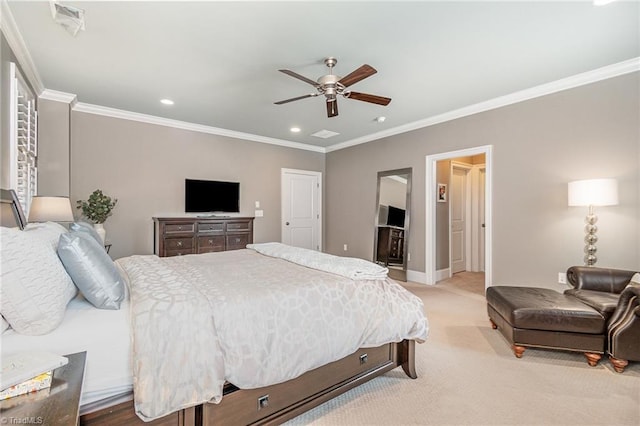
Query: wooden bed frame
x,y
270,405
276,404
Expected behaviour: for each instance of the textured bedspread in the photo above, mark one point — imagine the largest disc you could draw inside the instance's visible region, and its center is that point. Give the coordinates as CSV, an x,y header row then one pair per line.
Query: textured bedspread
x,y
249,319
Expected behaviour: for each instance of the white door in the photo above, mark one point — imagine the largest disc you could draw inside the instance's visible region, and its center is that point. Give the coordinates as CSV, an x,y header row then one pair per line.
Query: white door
x,y
301,207
458,217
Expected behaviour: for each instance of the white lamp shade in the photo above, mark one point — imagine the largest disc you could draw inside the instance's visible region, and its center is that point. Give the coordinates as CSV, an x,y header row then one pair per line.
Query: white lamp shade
x,y
593,192
50,209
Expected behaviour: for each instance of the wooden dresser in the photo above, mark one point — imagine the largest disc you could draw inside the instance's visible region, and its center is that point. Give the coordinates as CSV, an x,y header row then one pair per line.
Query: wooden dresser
x,y
175,236
390,245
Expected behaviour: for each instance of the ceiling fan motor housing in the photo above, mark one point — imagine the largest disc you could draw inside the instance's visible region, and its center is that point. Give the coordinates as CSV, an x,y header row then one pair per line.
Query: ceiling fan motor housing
x,y
329,86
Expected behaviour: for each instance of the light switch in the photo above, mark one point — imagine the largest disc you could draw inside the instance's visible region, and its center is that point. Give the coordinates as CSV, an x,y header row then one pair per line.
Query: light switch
x,y
257,204
259,213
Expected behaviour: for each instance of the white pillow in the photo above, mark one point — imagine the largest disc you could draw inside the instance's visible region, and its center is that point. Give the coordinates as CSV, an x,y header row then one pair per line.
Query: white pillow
x,y
35,286
635,279
47,231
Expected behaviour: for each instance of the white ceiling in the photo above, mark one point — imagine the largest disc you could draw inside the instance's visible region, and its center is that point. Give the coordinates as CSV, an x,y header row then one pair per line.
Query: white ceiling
x,y
218,60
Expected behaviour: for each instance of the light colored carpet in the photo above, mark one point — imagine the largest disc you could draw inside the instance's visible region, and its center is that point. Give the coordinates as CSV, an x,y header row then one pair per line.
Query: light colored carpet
x,y
468,375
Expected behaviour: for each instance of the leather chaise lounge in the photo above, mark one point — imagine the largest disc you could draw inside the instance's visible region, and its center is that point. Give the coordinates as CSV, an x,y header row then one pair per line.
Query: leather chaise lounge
x,y
599,315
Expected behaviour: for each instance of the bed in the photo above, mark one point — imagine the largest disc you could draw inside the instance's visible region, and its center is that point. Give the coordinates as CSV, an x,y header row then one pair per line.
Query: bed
x,y
276,375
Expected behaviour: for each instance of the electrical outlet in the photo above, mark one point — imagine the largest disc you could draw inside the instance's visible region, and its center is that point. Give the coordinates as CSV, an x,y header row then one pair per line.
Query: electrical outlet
x,y
408,257
562,278
345,247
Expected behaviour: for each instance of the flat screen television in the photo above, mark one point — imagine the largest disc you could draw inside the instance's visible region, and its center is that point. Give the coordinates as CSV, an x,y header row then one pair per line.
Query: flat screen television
x,y
211,196
396,217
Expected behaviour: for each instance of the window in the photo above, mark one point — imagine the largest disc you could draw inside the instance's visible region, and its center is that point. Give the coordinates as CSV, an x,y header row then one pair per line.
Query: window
x,y
23,134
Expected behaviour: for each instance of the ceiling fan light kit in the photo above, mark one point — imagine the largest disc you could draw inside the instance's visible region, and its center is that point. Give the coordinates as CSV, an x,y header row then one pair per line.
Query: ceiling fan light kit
x,y
331,86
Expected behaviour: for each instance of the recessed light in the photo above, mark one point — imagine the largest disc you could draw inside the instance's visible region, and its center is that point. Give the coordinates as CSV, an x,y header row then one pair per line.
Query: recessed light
x,y
380,119
166,101
295,129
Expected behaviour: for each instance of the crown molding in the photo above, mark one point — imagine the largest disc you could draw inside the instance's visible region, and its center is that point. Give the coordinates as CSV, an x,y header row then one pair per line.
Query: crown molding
x,y
19,47
151,119
54,95
610,71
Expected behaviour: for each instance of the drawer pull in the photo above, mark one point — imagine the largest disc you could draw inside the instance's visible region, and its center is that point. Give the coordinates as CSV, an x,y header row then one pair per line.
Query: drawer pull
x,y
263,402
211,242
179,243
179,228
363,359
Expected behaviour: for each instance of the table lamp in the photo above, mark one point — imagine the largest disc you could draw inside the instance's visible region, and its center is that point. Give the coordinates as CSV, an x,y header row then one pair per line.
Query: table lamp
x,y
50,209
592,192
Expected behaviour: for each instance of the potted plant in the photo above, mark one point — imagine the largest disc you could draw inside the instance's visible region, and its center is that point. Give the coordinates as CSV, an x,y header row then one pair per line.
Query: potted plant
x,y
97,209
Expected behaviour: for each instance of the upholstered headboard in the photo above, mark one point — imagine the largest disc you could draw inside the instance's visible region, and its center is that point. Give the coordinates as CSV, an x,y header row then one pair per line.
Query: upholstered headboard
x,y
11,214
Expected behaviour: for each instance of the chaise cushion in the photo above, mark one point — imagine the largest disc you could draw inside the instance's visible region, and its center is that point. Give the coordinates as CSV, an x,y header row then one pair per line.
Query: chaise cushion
x,y
535,308
605,303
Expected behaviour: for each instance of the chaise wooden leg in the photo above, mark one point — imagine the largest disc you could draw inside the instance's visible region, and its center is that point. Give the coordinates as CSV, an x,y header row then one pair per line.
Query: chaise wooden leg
x,y
592,358
518,350
618,364
493,324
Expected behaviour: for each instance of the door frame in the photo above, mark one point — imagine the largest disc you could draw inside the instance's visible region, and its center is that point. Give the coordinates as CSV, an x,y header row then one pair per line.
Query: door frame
x,y
430,208
318,175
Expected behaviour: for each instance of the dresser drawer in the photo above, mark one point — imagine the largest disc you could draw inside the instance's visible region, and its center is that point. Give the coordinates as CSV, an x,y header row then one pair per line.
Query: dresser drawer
x,y
178,243
169,253
210,243
237,241
244,225
211,227
179,228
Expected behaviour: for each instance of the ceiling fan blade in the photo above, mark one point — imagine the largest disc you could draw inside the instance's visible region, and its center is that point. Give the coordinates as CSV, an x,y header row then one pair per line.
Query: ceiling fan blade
x,y
332,108
357,75
295,99
300,77
380,100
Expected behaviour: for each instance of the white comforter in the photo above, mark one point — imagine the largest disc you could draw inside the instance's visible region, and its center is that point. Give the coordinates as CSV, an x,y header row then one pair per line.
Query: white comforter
x,y
252,320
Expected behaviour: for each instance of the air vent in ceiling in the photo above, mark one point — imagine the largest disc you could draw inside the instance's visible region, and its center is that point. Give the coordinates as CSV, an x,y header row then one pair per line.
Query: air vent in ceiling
x,y
71,18
325,134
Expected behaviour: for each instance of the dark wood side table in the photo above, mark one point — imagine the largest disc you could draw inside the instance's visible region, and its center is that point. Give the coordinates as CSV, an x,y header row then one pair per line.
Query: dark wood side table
x,y
58,405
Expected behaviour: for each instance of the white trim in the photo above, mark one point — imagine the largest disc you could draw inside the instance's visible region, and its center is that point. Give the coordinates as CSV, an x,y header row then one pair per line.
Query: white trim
x,y
19,47
430,206
320,193
609,71
54,95
151,119
416,276
442,274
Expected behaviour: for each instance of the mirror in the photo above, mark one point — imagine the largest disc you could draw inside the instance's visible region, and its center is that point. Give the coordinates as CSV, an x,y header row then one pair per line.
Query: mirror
x,y
391,235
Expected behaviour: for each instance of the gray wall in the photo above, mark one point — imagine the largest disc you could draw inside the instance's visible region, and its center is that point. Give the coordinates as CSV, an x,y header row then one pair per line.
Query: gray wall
x,y
144,167
53,148
538,146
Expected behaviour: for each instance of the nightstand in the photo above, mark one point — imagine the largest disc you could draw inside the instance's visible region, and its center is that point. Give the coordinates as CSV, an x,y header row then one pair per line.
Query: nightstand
x,y
58,405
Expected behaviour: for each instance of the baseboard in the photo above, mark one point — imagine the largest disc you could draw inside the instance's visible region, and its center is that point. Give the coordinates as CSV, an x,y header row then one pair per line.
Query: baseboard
x,y
416,276
443,274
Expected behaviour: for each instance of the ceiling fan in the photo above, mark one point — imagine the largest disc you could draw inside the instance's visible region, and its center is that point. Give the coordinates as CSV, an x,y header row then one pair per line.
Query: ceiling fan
x,y
331,86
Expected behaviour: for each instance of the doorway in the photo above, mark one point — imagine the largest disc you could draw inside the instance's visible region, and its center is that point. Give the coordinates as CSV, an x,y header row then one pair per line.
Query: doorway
x,y
480,216
301,223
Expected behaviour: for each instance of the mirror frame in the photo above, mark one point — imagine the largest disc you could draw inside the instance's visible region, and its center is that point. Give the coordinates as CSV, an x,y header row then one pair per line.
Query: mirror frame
x,y
395,273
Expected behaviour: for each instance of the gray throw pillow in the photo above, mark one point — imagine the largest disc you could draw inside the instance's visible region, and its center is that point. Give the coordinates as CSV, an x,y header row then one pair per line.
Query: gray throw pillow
x,y
87,228
91,270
